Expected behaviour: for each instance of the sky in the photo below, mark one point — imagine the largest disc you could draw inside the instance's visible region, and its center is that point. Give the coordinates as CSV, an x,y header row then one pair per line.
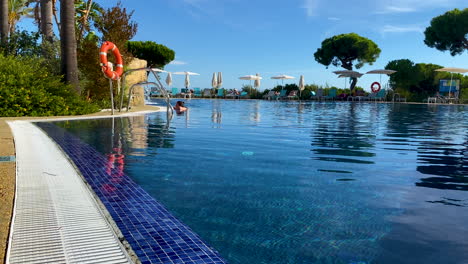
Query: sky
x,y
273,37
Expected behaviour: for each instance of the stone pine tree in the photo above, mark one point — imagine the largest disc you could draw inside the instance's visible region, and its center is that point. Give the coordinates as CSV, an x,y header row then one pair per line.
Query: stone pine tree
x,y
69,64
346,49
449,32
155,54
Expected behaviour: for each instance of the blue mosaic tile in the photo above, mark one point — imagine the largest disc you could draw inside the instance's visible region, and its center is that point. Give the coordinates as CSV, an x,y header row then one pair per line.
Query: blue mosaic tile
x,y
154,234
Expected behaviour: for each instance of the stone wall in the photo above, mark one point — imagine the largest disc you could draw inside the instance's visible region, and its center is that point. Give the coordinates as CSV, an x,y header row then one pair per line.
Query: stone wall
x,y
138,97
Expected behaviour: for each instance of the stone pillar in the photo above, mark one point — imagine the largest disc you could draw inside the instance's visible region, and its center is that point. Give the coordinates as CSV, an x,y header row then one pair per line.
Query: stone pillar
x,y
136,77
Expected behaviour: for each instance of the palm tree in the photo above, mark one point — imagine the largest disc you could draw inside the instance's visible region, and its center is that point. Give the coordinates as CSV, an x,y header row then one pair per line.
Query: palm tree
x,y
18,9
85,13
68,43
3,21
46,20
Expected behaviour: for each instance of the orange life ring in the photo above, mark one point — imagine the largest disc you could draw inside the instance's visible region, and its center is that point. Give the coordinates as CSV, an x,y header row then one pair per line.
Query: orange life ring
x,y
374,90
106,67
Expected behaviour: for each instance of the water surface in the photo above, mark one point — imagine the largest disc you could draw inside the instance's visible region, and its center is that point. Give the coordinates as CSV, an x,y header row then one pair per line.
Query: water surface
x,y
304,182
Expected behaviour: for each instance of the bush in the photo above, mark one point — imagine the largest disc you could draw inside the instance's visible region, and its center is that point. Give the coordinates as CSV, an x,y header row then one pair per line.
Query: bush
x,y
28,89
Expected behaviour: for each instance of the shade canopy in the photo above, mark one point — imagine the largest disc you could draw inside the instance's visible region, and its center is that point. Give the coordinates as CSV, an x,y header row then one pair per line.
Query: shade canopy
x,y
169,79
187,78
348,73
214,81
451,69
381,71
250,77
186,73
282,77
157,70
220,79
301,83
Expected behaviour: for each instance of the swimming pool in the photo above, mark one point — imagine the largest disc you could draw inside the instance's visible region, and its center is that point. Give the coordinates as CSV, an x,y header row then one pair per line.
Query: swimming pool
x,y
303,182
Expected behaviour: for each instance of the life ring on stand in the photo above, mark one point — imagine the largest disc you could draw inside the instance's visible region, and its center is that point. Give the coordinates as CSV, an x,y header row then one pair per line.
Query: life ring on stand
x,y
375,89
107,66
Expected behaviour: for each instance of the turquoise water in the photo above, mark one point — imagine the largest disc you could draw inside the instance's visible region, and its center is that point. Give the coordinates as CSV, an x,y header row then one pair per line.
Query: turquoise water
x,y
291,182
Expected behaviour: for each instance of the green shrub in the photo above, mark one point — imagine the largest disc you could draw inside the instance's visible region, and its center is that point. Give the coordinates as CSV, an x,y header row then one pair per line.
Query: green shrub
x,y
28,89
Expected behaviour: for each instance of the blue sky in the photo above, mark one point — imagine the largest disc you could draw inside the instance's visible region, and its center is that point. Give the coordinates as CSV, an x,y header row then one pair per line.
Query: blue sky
x,y
272,37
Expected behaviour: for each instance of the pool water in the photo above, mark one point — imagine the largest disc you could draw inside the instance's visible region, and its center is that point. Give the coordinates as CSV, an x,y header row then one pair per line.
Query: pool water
x,y
304,182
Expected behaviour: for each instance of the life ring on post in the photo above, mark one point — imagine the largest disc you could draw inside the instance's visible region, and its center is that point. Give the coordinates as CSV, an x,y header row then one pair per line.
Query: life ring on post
x,y
106,66
375,89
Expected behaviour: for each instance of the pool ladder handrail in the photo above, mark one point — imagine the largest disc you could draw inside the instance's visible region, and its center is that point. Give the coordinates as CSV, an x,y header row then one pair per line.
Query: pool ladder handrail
x,y
158,85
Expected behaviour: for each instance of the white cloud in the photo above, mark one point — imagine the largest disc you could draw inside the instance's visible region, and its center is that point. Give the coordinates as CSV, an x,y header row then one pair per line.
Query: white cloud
x,y
397,9
176,62
408,6
401,29
310,6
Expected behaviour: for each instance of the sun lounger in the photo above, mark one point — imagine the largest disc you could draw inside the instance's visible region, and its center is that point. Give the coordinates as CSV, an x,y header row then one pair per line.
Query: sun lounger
x,y
220,93
331,94
292,95
270,95
197,92
207,93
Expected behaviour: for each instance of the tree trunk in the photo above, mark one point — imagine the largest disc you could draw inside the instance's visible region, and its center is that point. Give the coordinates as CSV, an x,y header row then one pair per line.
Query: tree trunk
x,y
46,20
349,66
353,84
68,43
3,21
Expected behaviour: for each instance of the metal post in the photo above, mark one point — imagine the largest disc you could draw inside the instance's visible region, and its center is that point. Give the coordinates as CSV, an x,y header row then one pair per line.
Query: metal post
x,y
120,91
112,96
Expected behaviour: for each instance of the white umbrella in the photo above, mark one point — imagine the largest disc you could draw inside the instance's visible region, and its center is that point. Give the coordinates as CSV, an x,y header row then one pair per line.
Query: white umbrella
x,y
220,79
157,70
282,77
452,70
380,72
348,73
214,81
250,78
169,79
301,85
187,78
257,81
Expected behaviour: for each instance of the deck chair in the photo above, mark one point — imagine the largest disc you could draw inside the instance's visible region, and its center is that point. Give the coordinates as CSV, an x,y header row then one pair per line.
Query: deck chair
x,y
220,93
185,92
292,95
244,95
270,95
207,93
318,95
380,95
197,92
283,94
331,94
174,92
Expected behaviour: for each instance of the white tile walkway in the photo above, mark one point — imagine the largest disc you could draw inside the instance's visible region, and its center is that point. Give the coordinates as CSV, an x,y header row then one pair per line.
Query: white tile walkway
x,y
56,219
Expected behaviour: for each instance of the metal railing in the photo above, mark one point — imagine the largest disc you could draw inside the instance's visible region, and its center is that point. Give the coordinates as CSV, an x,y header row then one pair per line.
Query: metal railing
x,y
157,84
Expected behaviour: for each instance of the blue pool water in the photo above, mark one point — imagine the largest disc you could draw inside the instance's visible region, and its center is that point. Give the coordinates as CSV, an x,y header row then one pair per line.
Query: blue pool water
x,y
291,182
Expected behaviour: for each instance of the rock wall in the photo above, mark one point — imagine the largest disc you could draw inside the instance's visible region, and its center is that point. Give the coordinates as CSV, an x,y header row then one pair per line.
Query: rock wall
x,y
138,94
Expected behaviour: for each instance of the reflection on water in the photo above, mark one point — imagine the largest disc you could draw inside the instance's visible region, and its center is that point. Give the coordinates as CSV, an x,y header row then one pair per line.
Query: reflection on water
x,y
302,182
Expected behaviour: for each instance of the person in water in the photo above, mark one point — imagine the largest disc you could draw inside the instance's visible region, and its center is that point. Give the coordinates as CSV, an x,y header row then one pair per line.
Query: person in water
x,y
180,107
